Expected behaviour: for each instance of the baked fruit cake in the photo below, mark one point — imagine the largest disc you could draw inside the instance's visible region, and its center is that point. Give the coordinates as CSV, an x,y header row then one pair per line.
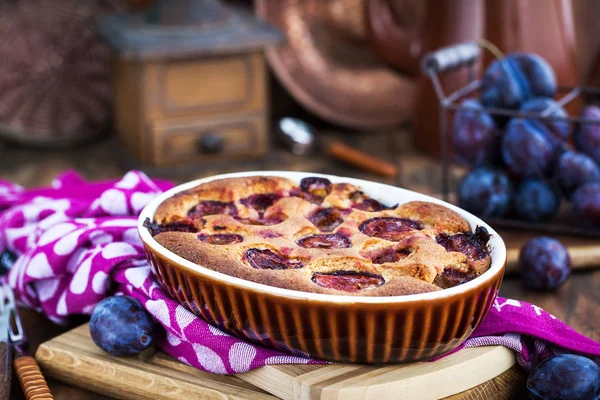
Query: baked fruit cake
x,y
320,237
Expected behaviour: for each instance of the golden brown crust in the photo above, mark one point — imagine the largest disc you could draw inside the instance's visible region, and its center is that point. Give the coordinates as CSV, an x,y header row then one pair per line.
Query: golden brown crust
x,y
414,269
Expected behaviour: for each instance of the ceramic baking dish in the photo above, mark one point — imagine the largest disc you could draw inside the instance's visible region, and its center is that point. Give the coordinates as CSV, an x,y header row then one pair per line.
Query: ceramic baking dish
x,y
338,328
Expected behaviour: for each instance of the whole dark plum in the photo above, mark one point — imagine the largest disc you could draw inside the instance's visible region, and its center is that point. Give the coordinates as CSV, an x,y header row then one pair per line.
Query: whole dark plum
x,y
526,150
587,136
485,192
557,132
544,264
565,377
473,134
575,169
536,201
121,326
518,77
586,203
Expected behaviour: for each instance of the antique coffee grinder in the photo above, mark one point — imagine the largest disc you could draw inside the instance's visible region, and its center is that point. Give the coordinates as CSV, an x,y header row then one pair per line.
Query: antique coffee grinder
x,y
190,82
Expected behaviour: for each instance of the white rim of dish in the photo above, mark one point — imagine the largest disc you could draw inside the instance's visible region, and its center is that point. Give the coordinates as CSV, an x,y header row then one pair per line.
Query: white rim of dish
x,y
496,244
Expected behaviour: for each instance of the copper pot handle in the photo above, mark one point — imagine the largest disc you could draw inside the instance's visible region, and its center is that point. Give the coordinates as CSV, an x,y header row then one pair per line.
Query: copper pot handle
x,y
396,44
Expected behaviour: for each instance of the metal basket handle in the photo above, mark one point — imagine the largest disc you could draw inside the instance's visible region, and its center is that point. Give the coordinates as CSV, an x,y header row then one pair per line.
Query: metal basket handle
x,y
450,58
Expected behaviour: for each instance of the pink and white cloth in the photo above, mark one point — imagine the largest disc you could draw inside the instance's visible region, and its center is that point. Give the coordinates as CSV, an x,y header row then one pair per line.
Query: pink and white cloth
x,y
77,243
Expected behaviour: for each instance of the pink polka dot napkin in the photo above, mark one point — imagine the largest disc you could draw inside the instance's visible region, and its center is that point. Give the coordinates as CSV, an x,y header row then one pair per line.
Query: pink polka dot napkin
x,y
77,243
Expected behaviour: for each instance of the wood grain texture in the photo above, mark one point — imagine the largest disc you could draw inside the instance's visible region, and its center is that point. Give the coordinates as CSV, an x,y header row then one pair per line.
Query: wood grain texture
x,y
32,381
5,373
74,357
507,386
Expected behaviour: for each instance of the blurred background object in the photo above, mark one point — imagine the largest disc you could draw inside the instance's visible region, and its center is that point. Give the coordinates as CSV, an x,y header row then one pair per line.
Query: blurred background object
x,y
328,66
587,38
303,139
549,31
195,73
55,83
394,32
518,142
139,4
523,26
448,22
401,42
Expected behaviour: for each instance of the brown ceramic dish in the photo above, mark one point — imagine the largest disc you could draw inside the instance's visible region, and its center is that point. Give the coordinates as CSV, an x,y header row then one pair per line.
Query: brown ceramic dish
x,y
333,327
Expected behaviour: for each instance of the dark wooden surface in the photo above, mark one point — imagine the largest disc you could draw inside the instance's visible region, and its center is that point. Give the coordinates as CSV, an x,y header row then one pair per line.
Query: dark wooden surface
x,y
577,302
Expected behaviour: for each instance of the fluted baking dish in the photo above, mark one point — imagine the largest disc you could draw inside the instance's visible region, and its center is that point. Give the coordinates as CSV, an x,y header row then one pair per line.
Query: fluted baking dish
x,y
338,328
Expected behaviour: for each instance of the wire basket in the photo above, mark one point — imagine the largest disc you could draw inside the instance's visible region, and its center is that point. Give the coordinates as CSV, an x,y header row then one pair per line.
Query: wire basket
x,y
466,55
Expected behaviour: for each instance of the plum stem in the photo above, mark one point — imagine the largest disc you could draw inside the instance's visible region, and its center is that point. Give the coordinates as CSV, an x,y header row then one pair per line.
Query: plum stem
x,y
486,44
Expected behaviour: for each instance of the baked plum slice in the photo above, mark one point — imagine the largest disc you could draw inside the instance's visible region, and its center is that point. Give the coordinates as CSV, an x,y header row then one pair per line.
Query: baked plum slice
x,y
260,202
389,228
212,207
221,238
317,186
473,245
268,259
313,189
177,226
370,205
327,241
451,277
327,219
264,221
362,202
347,281
391,255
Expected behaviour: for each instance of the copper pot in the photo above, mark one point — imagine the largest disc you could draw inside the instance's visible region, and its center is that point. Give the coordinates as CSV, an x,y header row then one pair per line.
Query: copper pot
x,y
402,42
327,65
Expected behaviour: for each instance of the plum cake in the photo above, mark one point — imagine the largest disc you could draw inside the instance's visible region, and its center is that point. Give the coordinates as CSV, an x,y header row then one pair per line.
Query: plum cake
x,y
318,236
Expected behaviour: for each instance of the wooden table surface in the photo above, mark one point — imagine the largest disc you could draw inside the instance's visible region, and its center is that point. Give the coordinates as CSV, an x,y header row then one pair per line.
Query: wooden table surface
x,y
577,302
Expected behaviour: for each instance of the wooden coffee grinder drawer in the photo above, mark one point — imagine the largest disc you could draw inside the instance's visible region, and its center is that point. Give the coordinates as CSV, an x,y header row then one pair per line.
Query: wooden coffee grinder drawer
x,y
190,141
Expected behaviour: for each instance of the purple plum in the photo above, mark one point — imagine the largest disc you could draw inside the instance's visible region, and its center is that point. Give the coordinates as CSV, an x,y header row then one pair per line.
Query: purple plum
x,y
587,135
557,132
485,192
121,326
544,264
536,201
565,377
518,77
586,203
575,169
473,134
526,150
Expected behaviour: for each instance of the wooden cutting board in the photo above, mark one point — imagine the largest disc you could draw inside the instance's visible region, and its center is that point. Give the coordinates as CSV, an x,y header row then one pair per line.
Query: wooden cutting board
x,y
478,373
